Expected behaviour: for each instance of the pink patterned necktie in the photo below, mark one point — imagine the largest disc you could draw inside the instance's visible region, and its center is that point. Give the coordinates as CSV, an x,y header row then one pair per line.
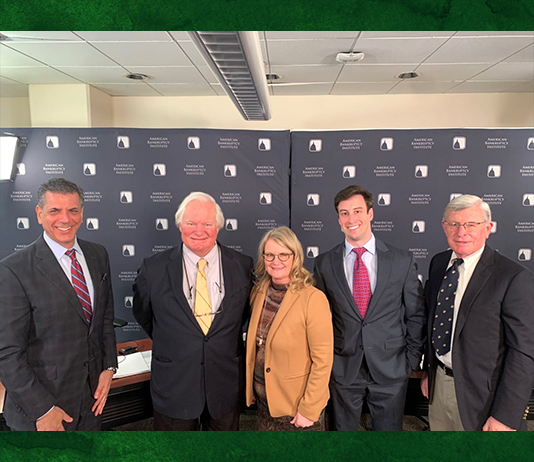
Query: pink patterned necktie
x,y
79,284
361,288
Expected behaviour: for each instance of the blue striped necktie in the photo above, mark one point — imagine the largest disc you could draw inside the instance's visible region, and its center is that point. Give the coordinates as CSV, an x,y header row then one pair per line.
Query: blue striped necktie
x,y
79,285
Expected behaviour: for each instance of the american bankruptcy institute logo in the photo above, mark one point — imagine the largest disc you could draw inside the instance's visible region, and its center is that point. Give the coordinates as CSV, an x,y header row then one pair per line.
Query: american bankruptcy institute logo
x,y
23,223
92,224
384,199
230,170
349,171
52,142
126,197
418,226
89,169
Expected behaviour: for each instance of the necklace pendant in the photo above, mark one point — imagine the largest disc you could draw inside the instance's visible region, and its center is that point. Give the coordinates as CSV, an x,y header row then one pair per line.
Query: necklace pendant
x,y
259,341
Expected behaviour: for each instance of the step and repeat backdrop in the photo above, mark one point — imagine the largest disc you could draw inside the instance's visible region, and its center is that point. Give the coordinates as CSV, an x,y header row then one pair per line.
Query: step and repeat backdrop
x,y
413,174
134,180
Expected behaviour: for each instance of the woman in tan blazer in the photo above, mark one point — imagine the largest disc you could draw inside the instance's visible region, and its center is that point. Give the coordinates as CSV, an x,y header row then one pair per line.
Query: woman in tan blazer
x,y
289,340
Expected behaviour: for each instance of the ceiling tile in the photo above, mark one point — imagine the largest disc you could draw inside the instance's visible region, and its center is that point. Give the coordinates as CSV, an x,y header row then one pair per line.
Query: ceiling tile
x,y
373,72
12,91
508,71
208,74
478,50
11,58
169,89
525,55
483,33
220,91
33,35
309,73
312,89
191,51
362,88
124,36
422,87
36,75
310,34
286,52
525,87
399,50
127,89
484,87
448,72
144,53
180,35
63,53
406,33
113,74
185,75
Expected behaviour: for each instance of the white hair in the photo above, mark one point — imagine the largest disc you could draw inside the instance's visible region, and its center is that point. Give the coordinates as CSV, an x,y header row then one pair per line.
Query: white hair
x,y
203,197
466,201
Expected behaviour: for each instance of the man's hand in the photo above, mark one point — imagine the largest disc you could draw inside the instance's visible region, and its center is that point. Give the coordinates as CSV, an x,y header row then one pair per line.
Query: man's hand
x,y
101,393
300,421
53,421
493,425
424,384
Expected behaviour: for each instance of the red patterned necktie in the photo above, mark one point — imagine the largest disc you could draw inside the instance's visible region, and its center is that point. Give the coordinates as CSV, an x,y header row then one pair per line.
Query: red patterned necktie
x,y
361,288
79,284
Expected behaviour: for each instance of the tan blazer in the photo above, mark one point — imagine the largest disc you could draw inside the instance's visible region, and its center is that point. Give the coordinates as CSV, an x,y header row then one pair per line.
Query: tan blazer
x,y
298,353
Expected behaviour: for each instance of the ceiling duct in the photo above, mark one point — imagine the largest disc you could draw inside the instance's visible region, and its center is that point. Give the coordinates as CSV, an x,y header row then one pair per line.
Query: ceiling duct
x,y
235,58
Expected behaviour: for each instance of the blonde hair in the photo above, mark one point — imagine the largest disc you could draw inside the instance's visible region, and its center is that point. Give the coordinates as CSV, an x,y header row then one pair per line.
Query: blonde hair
x,y
300,276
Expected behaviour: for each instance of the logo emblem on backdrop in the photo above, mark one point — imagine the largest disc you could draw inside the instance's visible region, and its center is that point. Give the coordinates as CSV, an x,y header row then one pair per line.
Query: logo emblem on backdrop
x,y
23,223
312,251
126,197
128,250
494,228
231,224
524,254
128,301
21,169
421,171
123,142
494,171
458,143
159,170
52,142
349,171
264,144
315,145
230,170
420,277
266,198
454,196
528,200
530,144
386,144
162,224
313,200
193,142
384,199
92,224
89,169
418,226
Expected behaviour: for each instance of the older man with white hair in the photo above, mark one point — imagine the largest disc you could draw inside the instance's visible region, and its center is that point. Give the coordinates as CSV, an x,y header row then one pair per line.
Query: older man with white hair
x,y
192,300
480,350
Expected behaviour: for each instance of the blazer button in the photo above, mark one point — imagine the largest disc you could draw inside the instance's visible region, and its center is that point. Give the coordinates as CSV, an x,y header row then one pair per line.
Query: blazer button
x,y
268,369
205,339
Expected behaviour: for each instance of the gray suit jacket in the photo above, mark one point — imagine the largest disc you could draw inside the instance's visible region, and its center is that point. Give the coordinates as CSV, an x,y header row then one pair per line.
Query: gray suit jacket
x,y
493,349
47,349
190,369
392,334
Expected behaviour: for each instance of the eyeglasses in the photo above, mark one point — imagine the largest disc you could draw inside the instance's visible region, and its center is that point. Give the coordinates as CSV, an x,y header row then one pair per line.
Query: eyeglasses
x,y
281,256
469,226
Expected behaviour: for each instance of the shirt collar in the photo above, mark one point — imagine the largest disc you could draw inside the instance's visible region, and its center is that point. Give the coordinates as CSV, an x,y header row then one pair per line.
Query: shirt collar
x,y
370,246
211,256
470,260
57,249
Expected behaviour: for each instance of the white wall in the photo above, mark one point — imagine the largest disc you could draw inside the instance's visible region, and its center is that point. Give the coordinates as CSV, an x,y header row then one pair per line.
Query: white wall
x,y
15,112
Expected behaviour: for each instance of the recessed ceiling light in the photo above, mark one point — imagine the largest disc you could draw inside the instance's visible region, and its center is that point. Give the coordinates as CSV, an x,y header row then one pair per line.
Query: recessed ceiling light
x,y
408,75
271,77
136,77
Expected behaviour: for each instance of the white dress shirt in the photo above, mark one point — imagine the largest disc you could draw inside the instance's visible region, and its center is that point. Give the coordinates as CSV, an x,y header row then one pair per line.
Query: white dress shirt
x,y
465,271
369,259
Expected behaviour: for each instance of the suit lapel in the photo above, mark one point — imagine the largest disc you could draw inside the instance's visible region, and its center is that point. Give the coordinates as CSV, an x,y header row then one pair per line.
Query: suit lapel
x,y
176,278
384,264
228,268
257,306
51,269
482,273
339,273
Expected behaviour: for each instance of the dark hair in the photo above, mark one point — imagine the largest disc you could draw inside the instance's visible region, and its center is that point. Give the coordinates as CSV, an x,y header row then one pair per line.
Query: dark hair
x,y
354,190
58,186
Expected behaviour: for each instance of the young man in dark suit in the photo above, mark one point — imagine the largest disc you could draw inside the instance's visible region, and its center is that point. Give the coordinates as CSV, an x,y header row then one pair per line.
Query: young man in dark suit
x,y
193,301
480,349
378,314
57,344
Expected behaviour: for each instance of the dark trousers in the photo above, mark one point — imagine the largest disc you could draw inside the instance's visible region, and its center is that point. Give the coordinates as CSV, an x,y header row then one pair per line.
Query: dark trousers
x,y
230,422
385,402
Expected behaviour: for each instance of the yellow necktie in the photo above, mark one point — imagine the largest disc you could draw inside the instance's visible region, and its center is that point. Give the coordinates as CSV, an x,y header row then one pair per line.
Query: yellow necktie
x,y
202,299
